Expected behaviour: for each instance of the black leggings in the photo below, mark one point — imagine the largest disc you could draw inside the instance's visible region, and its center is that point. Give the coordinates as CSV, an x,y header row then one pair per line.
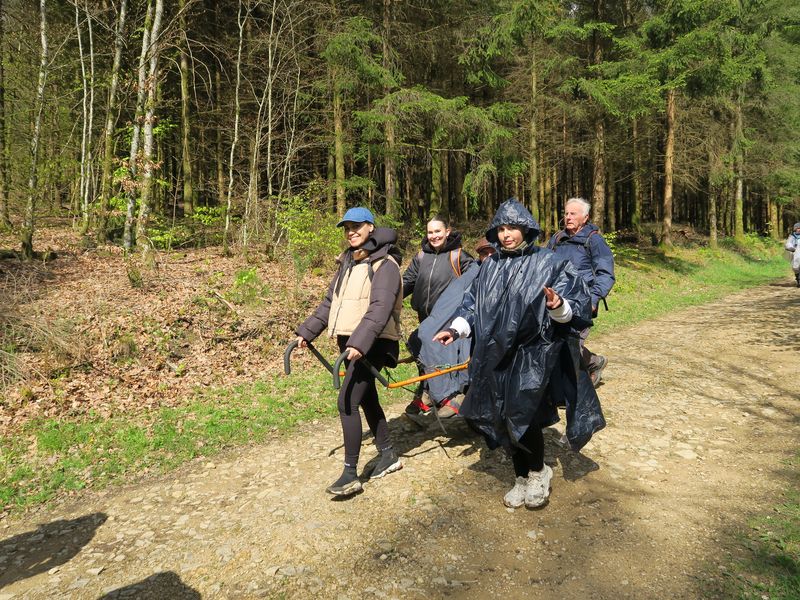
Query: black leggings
x,y
358,389
529,457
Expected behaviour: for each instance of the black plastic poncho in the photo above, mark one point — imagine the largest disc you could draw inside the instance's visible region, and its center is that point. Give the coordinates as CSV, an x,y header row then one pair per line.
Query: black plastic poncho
x,y
524,364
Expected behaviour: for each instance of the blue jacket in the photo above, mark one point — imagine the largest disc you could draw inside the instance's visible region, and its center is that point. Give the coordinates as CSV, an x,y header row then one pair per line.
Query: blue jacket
x,y
595,263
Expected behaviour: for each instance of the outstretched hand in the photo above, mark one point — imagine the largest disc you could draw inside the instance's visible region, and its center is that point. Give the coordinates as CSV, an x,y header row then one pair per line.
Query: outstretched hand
x,y
552,300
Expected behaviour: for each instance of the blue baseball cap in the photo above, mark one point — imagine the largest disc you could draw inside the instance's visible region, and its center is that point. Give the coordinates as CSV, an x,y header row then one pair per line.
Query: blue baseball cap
x,y
357,214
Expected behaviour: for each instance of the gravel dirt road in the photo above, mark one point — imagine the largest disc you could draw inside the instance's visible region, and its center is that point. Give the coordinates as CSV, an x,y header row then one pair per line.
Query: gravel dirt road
x,y
702,410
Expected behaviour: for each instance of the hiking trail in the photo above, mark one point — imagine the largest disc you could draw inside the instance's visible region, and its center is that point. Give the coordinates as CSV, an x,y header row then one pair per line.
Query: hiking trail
x,y
702,412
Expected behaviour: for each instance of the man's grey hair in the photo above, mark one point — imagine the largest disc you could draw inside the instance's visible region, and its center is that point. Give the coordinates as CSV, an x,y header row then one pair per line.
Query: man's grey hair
x,y
584,204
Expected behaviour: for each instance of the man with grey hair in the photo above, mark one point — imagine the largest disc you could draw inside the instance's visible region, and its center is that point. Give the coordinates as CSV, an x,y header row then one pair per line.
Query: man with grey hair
x,y
580,242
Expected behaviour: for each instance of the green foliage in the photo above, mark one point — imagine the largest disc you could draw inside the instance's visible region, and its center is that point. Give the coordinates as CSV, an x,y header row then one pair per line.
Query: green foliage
x,y
312,238
248,288
353,55
208,216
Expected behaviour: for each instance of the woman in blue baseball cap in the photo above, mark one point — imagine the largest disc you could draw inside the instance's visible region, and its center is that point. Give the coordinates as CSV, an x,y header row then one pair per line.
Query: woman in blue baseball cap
x,y
362,311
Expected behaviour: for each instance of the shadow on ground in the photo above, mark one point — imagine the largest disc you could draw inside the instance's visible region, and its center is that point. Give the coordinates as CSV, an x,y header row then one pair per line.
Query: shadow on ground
x,y
47,546
156,587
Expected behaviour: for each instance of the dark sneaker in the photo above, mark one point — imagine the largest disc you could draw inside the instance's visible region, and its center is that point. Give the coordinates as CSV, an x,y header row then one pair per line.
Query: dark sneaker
x,y
388,463
596,369
418,407
347,485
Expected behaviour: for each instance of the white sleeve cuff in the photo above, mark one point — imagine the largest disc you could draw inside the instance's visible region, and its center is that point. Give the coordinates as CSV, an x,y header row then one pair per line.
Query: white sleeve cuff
x,y
461,326
562,314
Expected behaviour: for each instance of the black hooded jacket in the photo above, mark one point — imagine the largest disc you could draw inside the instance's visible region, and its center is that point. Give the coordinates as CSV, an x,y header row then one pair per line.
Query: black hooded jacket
x,y
384,289
431,271
524,364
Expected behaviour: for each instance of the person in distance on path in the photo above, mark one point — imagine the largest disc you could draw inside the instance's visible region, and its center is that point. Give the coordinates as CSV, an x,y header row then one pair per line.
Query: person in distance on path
x,y
792,245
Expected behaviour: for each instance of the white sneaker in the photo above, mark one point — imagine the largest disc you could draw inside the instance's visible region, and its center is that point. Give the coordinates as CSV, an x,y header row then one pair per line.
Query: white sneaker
x,y
516,495
538,489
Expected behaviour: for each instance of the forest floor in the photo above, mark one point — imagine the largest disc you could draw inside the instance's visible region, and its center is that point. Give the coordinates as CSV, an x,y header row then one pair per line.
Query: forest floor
x,y
702,412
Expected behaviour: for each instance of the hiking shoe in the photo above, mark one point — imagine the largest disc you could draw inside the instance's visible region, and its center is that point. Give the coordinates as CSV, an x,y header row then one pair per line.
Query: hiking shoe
x,y
347,484
538,489
418,407
450,407
516,495
596,370
388,463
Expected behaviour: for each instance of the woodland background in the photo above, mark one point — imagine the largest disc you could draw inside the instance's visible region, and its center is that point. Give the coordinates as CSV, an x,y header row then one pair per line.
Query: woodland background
x,y
155,123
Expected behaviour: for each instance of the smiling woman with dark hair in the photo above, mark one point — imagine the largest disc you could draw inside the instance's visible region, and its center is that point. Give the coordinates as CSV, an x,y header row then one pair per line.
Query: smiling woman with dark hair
x,y
524,310
362,311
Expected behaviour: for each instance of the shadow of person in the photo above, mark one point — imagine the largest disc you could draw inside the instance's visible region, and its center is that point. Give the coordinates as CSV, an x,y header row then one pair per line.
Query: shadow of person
x,y
574,465
47,546
156,587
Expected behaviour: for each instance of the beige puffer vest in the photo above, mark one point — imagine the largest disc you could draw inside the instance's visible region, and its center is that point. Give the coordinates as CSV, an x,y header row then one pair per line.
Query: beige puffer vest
x,y
350,303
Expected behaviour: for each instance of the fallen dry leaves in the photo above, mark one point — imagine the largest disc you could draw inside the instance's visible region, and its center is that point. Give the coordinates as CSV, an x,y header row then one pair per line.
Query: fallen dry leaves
x,y
117,349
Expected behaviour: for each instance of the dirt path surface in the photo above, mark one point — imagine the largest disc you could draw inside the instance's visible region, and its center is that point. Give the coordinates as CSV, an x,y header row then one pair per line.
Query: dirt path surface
x,y
702,408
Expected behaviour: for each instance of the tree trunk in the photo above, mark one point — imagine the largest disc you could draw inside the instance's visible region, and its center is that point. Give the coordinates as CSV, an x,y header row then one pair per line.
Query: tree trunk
x,y
669,156
611,204
186,126
636,214
30,208
133,161
712,200
435,197
241,22
5,175
389,163
338,148
145,200
599,175
220,152
772,212
738,153
106,177
533,167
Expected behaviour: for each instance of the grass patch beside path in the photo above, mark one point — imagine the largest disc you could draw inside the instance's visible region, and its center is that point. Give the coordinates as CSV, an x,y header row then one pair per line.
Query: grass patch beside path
x,y
768,561
51,457
652,283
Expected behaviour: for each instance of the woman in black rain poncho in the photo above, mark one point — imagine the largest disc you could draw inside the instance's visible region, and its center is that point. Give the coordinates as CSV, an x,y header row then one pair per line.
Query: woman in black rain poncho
x,y
524,310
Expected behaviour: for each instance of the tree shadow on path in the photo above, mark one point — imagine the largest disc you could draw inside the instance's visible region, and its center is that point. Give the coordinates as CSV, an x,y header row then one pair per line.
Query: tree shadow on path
x,y
48,546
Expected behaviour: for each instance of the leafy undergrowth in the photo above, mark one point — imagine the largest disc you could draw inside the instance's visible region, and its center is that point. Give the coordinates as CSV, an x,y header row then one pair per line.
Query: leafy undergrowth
x,y
139,366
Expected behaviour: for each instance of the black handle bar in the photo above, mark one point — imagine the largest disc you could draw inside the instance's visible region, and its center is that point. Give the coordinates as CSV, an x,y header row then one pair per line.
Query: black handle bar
x,y
337,383
287,368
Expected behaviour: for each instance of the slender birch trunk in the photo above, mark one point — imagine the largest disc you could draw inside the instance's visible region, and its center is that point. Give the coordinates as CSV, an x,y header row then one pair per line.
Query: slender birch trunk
x,y
738,153
241,21
186,126
30,208
149,164
108,131
669,157
132,184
